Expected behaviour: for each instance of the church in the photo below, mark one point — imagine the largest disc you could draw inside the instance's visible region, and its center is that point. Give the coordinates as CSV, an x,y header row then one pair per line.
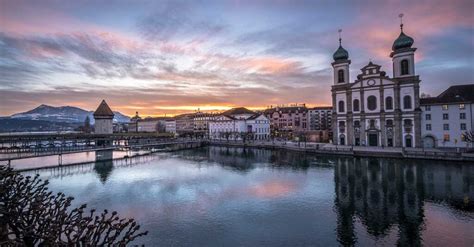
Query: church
x,y
375,109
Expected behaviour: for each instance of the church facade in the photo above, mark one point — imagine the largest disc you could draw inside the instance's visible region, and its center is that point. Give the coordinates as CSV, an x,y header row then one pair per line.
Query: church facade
x,y
375,109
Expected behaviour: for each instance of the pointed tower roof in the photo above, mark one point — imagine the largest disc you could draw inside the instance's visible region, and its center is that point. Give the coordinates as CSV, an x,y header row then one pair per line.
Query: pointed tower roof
x,y
103,110
341,53
403,41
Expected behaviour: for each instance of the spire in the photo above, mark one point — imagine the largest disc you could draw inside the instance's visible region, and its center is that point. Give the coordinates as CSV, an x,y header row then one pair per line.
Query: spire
x,y
341,53
401,21
340,31
403,40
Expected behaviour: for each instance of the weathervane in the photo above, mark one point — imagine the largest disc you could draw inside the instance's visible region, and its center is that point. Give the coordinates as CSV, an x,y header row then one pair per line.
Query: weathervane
x,y
401,21
339,31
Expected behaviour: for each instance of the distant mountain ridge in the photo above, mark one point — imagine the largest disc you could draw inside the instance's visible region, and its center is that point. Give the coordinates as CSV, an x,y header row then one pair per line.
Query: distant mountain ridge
x,y
64,114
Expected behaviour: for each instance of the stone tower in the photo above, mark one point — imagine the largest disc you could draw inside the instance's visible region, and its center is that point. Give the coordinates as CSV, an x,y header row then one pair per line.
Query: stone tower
x,y
103,119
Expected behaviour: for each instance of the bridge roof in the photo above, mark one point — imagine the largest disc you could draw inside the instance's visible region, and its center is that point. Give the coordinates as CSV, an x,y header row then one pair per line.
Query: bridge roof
x,y
104,110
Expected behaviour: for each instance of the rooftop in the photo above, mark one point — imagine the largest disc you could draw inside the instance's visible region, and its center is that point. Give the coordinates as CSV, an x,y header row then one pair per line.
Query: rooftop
x,y
103,110
238,111
454,94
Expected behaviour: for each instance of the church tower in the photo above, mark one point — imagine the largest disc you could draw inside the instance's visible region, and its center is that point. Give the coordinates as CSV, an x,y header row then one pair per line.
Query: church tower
x,y
341,64
403,55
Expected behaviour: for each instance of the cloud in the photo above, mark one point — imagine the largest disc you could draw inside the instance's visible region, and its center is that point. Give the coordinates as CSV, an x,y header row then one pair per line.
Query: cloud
x,y
154,56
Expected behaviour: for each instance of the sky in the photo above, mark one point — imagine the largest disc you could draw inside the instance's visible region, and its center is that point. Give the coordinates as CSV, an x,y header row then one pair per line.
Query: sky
x,y
171,57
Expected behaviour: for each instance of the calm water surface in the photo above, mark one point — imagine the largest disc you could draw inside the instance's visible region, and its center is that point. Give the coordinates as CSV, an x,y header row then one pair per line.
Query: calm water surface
x,y
234,197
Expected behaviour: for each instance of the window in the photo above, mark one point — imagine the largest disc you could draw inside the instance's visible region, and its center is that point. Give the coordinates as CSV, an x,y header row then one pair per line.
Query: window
x,y
428,117
462,106
462,115
356,105
389,122
371,102
342,124
404,67
463,126
445,116
389,103
428,126
407,102
372,123
340,76
357,123
445,107
445,126
446,137
428,108
341,106
407,122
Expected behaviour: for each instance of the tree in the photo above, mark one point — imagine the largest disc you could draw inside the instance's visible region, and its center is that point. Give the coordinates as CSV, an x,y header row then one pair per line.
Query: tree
x,y
468,137
32,215
87,125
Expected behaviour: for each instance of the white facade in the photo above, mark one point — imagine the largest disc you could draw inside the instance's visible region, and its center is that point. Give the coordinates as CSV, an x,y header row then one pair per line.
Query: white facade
x,y
170,126
376,110
256,127
443,125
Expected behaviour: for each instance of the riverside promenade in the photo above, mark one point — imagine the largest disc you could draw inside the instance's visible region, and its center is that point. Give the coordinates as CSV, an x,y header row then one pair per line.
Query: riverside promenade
x,y
356,151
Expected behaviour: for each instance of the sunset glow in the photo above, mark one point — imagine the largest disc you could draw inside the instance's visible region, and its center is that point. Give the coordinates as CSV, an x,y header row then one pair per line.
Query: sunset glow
x,y
166,58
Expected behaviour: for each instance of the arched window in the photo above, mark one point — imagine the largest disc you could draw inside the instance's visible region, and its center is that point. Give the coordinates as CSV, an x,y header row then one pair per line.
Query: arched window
x,y
371,102
340,76
341,106
356,105
407,102
389,103
404,67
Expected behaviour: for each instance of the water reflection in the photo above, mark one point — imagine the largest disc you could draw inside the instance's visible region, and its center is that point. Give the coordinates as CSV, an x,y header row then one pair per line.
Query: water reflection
x,y
104,169
222,196
384,193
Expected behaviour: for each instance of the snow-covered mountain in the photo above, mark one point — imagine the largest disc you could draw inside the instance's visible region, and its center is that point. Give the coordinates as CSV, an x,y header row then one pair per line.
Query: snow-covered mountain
x,y
66,114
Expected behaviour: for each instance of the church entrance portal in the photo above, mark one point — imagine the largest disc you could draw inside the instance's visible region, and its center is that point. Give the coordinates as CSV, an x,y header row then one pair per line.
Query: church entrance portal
x,y
373,140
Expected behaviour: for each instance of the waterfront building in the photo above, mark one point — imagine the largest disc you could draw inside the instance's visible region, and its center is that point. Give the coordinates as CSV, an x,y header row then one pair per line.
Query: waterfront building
x,y
170,126
447,117
286,121
196,123
185,124
377,110
148,124
239,123
320,118
103,118
133,125
201,122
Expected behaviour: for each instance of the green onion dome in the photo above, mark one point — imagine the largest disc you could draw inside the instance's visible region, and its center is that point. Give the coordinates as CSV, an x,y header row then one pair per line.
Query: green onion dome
x,y
403,41
340,54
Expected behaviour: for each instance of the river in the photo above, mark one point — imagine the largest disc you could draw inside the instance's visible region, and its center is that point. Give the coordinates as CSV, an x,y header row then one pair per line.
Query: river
x,y
218,196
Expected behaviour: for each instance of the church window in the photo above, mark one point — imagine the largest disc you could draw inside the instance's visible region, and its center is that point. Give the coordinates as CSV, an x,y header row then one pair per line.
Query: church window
x,y
341,106
356,105
340,76
389,103
371,102
407,102
372,124
404,67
